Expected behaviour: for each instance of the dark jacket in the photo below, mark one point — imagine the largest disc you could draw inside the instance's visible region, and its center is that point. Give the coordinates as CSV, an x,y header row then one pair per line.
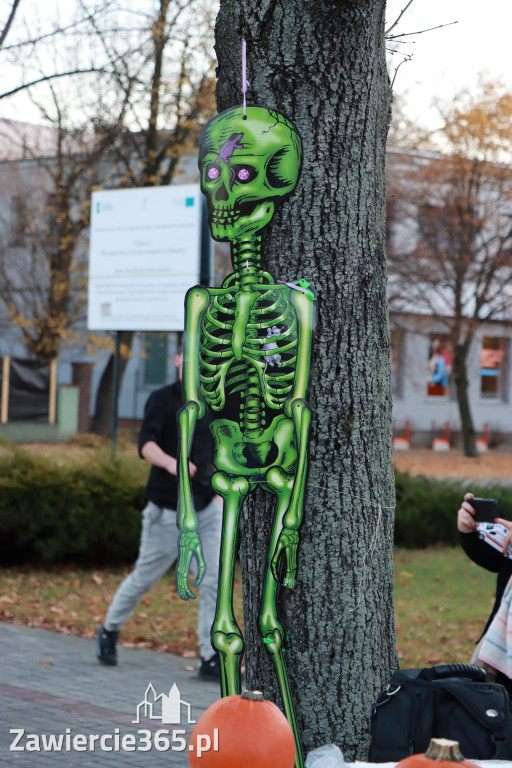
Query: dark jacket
x,y
160,426
489,558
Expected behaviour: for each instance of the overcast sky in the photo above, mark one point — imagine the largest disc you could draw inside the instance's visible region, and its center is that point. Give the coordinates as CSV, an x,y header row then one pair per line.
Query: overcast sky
x,y
445,60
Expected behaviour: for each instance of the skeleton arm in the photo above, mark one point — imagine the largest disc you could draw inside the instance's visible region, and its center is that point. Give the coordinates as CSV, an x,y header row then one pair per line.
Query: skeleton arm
x,y
189,543
297,409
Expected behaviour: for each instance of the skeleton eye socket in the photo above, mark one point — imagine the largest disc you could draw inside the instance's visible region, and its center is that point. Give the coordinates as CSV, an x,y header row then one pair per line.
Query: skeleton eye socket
x,y
244,173
212,173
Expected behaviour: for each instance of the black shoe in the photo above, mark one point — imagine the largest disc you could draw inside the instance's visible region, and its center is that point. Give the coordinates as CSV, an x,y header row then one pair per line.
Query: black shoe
x,y
106,648
209,669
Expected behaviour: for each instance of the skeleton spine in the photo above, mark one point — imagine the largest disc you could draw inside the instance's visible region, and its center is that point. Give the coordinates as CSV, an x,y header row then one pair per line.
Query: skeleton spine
x,y
247,266
246,261
253,408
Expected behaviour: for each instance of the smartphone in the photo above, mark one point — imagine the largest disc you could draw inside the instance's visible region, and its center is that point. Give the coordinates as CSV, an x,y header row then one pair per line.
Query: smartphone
x,y
487,510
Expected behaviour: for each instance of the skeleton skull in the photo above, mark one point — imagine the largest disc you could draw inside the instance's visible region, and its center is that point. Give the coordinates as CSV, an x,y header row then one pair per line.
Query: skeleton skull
x,y
245,165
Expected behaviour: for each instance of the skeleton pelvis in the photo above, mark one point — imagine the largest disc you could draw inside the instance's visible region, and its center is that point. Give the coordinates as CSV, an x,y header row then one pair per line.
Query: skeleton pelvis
x,y
235,453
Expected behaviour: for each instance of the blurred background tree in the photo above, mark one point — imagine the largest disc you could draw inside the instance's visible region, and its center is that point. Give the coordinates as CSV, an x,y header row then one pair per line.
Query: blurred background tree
x,y
122,93
450,226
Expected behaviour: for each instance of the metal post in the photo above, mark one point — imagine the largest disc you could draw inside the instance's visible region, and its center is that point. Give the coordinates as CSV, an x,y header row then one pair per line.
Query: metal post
x,y
135,399
206,248
4,405
115,391
52,409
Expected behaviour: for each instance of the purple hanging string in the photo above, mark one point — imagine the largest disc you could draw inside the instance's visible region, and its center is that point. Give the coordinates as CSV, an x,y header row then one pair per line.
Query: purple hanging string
x,y
245,82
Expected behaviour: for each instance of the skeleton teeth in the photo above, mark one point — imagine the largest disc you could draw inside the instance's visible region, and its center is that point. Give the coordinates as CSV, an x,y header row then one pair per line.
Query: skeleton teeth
x,y
225,217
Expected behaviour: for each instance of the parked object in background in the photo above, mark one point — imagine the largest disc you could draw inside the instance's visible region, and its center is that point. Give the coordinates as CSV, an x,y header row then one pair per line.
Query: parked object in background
x,y
483,445
442,443
402,443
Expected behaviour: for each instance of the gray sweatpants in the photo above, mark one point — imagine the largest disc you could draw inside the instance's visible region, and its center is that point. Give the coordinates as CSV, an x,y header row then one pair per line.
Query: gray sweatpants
x,y
157,552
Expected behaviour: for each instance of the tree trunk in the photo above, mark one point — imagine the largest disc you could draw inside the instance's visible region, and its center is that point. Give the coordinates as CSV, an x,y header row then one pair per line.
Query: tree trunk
x,y
102,420
322,65
461,383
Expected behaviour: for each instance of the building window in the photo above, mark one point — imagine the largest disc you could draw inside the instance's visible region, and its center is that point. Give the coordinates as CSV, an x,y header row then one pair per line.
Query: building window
x,y
492,367
156,349
439,366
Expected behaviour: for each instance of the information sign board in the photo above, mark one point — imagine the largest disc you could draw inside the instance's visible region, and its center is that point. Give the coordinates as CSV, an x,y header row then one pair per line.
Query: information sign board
x,y
144,255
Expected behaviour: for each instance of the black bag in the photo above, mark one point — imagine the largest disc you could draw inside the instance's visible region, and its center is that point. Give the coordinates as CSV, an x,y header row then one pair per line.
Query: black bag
x,y
450,701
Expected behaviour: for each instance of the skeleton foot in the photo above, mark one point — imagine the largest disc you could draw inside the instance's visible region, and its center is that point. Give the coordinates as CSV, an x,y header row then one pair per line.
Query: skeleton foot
x,y
189,546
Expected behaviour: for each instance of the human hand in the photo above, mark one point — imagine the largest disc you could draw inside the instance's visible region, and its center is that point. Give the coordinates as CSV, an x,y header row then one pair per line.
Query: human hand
x,y
508,539
171,465
466,522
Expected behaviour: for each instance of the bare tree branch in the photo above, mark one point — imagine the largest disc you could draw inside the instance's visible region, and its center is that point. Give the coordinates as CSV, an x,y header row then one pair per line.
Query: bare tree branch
x,y
47,78
420,31
450,225
407,57
9,21
397,20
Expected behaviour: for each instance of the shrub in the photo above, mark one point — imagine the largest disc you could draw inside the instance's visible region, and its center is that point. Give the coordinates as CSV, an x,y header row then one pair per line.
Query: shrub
x,y
426,509
87,513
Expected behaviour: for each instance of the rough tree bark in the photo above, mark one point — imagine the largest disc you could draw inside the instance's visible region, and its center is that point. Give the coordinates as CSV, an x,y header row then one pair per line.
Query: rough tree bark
x,y
322,64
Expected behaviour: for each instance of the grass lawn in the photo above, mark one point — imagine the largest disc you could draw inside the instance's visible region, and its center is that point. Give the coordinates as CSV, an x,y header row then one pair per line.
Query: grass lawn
x,y
442,601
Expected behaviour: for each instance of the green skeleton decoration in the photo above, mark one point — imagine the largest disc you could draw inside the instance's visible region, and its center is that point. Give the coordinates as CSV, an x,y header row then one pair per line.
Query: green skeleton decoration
x,y
247,359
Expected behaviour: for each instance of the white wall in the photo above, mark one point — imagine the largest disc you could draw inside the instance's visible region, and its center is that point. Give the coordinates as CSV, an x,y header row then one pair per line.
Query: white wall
x,y
423,412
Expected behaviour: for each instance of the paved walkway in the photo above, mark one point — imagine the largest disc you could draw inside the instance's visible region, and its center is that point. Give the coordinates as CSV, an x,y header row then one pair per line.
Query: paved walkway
x,y
52,684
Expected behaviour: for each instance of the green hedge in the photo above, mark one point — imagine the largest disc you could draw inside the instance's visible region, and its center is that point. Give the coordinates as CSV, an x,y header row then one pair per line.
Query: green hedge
x,y
426,509
89,512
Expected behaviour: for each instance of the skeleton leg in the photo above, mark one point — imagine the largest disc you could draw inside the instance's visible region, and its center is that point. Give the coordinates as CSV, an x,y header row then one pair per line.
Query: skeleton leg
x,y
270,626
226,635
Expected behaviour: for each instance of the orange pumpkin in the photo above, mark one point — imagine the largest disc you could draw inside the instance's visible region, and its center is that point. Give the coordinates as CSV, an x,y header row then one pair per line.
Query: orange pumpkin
x,y
441,753
242,730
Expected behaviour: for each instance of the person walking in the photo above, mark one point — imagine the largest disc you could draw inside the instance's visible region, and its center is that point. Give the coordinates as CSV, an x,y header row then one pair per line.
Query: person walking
x,y
158,550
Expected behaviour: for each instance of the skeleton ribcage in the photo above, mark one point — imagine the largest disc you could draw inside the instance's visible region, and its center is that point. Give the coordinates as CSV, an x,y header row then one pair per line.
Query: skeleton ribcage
x,y
261,380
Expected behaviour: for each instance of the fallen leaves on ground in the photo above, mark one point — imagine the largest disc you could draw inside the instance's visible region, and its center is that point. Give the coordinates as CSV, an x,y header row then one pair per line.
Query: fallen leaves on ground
x,y
435,619
74,602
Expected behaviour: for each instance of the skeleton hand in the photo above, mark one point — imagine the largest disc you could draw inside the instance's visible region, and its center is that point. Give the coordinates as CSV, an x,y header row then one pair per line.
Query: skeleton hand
x,y
287,543
189,546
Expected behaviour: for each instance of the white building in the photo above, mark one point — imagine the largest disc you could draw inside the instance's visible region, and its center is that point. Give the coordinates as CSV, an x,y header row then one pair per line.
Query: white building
x,y
426,407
